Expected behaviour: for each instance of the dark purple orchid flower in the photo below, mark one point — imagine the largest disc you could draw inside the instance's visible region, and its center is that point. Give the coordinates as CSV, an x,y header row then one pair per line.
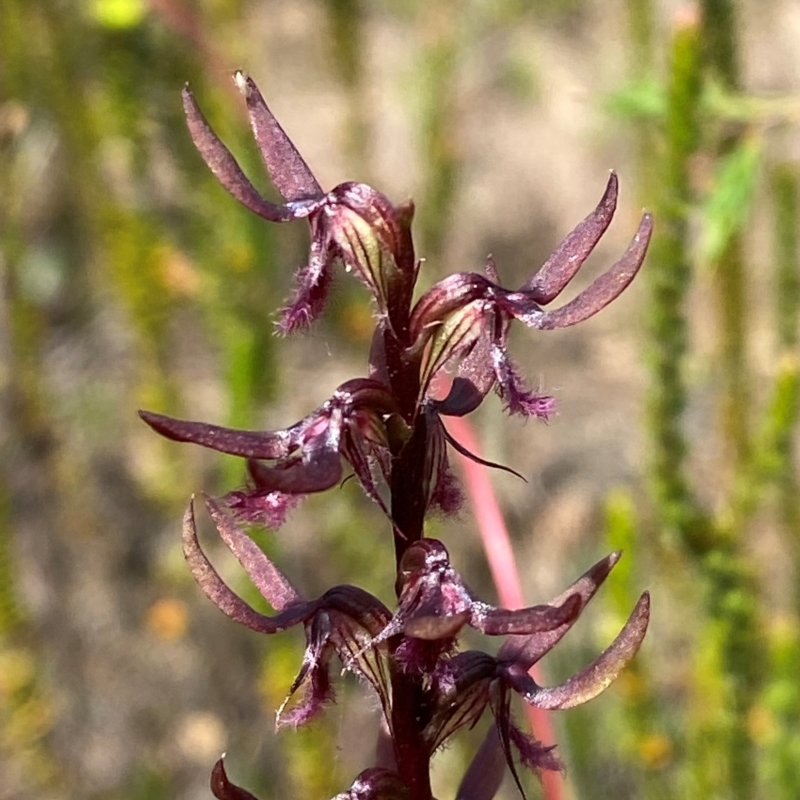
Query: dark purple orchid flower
x,y
466,315
435,604
307,456
375,783
352,223
341,622
471,681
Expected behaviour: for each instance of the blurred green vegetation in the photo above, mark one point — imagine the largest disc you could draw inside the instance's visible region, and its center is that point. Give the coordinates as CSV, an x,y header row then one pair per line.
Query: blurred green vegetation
x,y
129,279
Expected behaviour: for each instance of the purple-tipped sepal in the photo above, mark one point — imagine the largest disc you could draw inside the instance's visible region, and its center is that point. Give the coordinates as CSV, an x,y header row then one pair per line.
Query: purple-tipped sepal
x,y
469,682
344,621
305,458
465,317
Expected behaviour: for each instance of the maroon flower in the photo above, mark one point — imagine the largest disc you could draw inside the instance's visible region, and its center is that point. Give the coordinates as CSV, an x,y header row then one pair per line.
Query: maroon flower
x,y
340,622
466,315
352,223
371,784
469,682
435,604
304,458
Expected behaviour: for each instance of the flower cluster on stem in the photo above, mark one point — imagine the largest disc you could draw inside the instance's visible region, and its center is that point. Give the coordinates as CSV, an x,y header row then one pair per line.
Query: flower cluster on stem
x,y
387,427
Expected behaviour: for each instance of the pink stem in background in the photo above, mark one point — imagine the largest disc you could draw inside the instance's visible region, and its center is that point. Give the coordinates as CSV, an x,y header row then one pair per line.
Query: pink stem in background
x,y
503,566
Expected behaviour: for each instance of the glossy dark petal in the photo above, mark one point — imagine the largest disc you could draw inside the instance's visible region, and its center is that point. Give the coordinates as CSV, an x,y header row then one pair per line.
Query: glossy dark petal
x,y
267,578
376,783
286,167
319,469
359,605
454,338
442,299
223,789
570,255
462,686
366,393
353,645
228,172
250,444
364,225
594,678
604,289
464,397
527,650
225,598
536,619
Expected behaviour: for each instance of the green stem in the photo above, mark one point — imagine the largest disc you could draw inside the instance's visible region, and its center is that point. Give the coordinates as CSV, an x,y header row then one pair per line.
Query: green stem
x,y
669,274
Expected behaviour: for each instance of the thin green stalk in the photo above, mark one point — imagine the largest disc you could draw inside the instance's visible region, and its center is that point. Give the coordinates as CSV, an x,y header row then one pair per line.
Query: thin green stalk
x,y
669,275
645,740
722,63
785,187
733,601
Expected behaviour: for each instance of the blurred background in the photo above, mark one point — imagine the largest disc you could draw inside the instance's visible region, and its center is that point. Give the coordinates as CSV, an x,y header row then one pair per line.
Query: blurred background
x,y
131,280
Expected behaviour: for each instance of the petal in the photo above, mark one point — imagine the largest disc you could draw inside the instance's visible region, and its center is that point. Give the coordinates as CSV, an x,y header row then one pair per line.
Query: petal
x,y
527,650
569,256
597,676
604,289
250,444
364,225
359,605
286,167
314,674
266,508
442,299
318,470
228,172
268,579
376,783
225,598
465,395
536,619
312,284
223,789
317,467
461,694
454,337
511,388
475,376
